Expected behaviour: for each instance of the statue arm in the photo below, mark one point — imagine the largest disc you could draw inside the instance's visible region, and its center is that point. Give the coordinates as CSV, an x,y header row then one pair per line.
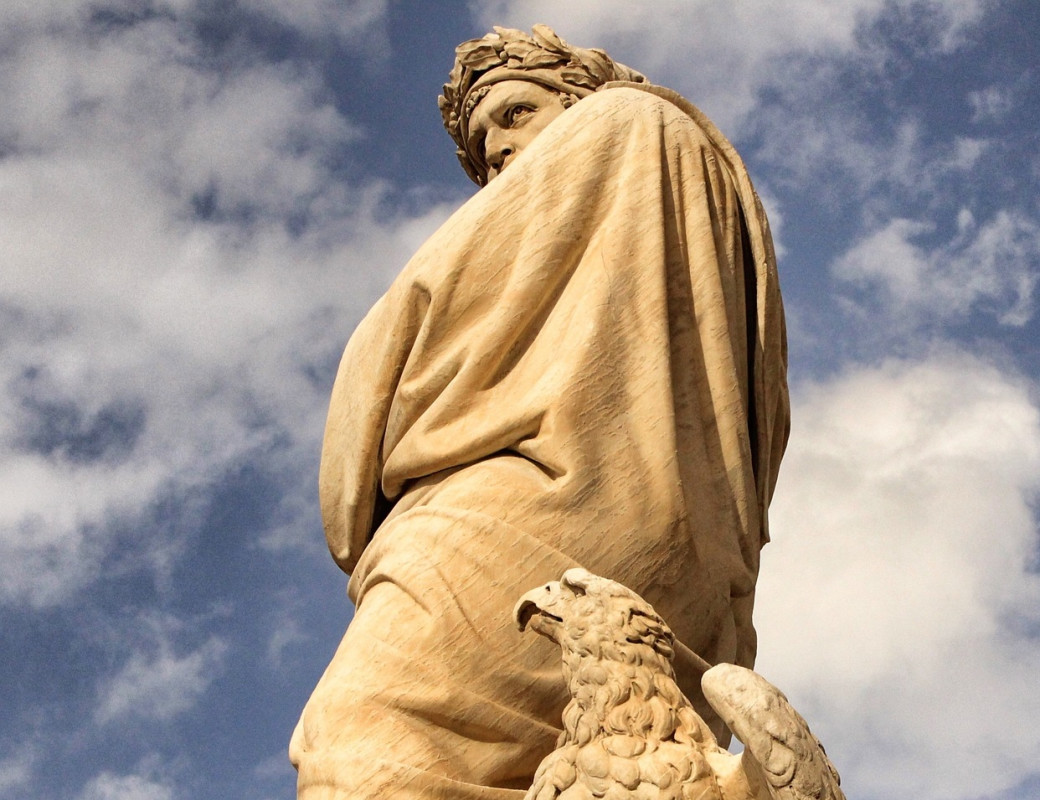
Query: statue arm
x,y
349,482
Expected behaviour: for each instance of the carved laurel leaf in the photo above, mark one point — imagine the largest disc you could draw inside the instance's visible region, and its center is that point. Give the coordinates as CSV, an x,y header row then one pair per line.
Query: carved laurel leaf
x,y
546,38
578,77
519,47
542,58
599,64
510,33
479,54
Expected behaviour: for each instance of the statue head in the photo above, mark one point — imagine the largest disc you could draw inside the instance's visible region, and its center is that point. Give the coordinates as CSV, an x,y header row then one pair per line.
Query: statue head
x,y
488,74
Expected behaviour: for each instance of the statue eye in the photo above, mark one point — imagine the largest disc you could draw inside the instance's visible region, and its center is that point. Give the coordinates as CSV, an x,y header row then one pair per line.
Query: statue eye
x,y
515,113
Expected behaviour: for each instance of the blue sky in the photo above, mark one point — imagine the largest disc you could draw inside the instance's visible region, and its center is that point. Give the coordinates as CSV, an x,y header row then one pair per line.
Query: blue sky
x,y
200,198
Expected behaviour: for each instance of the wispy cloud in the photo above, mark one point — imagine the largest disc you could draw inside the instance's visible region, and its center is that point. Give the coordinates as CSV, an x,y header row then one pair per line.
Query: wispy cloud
x,y
849,159
162,685
992,104
16,769
991,267
285,630
324,19
161,678
182,261
722,55
110,786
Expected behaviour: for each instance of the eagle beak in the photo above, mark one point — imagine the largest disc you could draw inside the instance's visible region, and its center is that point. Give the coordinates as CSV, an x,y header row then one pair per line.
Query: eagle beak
x,y
533,609
523,611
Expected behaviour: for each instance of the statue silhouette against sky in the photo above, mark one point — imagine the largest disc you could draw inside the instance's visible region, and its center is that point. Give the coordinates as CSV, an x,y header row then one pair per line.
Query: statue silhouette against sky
x,y
584,366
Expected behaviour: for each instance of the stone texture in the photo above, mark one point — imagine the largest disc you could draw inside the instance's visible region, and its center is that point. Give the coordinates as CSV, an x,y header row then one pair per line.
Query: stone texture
x,y
630,734
585,366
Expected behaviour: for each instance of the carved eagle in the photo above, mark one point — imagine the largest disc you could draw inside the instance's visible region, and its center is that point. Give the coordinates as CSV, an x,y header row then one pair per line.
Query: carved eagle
x,y
629,732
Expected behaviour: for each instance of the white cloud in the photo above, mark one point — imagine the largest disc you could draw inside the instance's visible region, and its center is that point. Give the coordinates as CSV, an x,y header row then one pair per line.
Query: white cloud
x,y
850,158
285,635
160,684
774,214
109,786
285,628
320,18
798,79
992,104
180,258
16,770
726,51
896,606
990,267
274,766
346,19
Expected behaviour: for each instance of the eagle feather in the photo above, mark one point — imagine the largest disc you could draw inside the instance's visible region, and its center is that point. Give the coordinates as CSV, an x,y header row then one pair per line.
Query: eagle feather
x,y
629,733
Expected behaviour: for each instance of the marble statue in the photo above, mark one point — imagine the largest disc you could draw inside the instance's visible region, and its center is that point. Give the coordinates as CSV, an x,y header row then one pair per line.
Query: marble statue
x,y
629,732
585,366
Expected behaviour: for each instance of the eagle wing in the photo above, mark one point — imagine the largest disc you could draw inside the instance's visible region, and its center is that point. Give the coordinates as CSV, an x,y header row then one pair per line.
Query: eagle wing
x,y
777,741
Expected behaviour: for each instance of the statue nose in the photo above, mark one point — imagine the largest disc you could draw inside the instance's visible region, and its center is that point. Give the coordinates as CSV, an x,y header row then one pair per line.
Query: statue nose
x,y
497,150
497,159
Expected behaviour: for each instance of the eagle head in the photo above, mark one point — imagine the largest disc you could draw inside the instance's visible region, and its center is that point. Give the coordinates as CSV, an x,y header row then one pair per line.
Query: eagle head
x,y
593,616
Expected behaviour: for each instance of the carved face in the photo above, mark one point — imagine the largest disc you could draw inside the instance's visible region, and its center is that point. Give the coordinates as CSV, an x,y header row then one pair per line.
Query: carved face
x,y
508,118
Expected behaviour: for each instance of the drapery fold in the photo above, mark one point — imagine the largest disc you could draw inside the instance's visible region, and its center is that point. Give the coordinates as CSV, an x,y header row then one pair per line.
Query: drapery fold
x,y
586,363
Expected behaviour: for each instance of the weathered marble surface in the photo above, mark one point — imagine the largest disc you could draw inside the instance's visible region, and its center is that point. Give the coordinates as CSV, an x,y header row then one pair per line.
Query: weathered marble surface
x,y
585,366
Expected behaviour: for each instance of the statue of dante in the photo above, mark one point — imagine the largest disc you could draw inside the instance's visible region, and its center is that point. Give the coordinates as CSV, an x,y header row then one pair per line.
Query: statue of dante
x,y
585,366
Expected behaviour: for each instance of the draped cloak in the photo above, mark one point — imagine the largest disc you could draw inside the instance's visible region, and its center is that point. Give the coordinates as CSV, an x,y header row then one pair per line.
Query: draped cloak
x,y
585,365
